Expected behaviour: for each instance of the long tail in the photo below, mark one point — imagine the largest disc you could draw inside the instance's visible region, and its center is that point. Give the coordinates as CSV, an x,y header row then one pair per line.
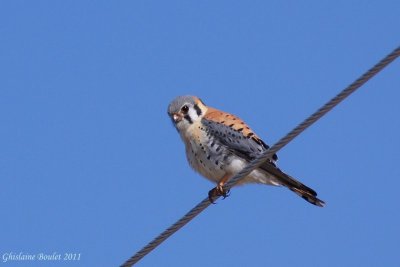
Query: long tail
x,y
300,189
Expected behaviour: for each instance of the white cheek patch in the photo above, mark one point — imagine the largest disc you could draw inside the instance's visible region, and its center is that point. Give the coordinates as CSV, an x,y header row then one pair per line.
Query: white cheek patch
x,y
193,114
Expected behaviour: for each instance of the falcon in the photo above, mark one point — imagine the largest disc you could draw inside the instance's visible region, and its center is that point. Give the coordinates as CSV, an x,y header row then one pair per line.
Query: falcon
x,y
219,144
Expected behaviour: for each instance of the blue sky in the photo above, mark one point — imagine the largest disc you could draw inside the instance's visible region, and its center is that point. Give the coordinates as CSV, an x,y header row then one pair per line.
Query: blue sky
x,y
90,163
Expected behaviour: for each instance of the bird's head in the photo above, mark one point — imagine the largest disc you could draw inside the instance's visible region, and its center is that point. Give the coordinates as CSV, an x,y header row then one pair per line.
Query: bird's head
x,y
186,110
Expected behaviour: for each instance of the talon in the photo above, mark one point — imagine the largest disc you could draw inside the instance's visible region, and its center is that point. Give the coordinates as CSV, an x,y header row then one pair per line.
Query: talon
x,y
221,191
218,191
226,194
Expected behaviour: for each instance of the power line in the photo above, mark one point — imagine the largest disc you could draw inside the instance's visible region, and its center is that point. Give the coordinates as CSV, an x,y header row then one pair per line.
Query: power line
x,y
266,155
314,117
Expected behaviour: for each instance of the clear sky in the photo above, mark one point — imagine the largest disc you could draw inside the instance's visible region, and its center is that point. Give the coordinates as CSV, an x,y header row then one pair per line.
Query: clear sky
x,y
91,164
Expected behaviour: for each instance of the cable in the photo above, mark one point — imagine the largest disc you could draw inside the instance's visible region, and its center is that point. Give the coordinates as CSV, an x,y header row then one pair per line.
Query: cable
x,y
266,155
313,118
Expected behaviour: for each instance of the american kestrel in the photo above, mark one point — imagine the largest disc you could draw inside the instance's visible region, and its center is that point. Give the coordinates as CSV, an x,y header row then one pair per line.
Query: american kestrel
x,y
219,144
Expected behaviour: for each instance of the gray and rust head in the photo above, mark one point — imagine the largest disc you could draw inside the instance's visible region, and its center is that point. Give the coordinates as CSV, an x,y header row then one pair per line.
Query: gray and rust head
x,y
186,110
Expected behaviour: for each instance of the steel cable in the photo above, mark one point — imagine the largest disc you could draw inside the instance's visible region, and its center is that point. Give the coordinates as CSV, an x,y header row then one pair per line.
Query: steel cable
x,y
266,155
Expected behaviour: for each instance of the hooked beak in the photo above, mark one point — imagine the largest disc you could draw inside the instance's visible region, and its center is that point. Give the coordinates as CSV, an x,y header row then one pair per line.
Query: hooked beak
x,y
176,117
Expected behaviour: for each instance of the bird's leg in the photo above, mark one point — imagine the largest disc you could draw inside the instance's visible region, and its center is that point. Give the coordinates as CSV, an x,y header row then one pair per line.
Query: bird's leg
x,y
220,186
219,189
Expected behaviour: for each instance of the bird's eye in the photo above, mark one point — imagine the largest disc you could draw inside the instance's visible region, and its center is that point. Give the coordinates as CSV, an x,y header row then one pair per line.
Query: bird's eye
x,y
185,109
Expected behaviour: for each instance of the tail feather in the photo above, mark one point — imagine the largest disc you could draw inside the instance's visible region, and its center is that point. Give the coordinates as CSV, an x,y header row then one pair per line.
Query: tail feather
x,y
308,197
297,187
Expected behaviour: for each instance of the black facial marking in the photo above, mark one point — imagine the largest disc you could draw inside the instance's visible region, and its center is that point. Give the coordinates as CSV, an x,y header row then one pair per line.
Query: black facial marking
x,y
187,117
198,110
240,129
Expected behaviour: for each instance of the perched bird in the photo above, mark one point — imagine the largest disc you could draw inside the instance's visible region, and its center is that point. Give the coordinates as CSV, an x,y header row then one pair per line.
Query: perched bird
x,y
219,144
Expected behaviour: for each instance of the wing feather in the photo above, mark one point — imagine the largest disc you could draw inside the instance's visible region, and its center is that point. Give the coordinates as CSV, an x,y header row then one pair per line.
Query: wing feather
x,y
248,147
235,135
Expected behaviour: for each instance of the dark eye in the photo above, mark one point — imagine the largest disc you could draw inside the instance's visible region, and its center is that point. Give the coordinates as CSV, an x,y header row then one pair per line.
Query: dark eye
x,y
185,109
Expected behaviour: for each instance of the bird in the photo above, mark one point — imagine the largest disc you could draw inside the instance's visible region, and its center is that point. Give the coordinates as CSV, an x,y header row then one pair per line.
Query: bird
x,y
219,144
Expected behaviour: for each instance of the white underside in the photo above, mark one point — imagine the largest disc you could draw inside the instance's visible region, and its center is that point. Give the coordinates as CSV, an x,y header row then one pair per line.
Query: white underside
x,y
256,176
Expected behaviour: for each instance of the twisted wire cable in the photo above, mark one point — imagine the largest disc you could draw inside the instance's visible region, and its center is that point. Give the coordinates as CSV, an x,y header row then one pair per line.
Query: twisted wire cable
x,y
265,156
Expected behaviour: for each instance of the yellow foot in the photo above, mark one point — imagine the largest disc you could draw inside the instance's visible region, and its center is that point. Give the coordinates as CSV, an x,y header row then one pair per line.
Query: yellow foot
x,y
218,191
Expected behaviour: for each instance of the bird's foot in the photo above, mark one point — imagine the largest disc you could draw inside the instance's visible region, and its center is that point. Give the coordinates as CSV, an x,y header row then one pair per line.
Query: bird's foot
x,y
218,191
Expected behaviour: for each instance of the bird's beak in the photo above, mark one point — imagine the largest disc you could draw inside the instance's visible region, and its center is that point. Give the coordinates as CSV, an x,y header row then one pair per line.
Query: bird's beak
x,y
176,117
